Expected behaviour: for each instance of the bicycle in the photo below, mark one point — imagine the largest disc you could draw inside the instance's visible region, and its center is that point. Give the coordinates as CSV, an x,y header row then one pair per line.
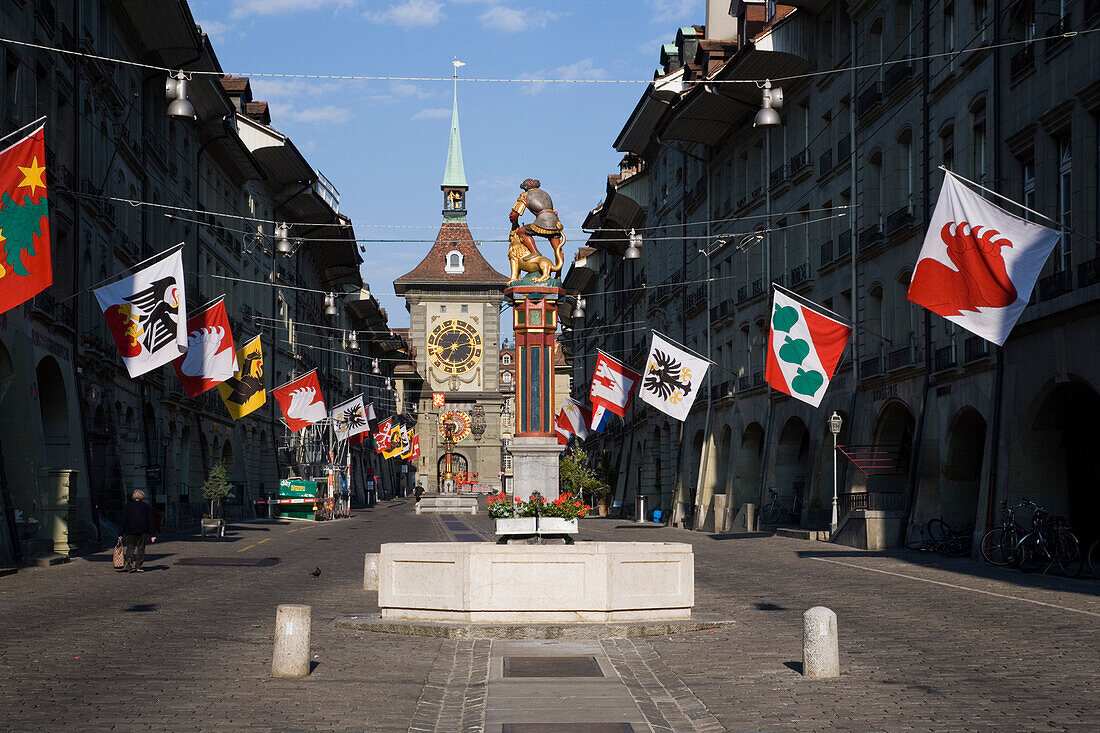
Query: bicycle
x,y
942,538
1051,541
1093,558
998,545
774,509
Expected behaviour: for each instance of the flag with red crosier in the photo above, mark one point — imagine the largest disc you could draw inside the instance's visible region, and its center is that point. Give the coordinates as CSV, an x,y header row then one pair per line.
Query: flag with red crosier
x,y
382,435
25,266
979,263
211,357
301,401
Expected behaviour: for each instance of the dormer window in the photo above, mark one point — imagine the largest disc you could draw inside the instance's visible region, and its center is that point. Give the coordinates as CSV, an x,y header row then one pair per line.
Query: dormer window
x,y
456,264
505,358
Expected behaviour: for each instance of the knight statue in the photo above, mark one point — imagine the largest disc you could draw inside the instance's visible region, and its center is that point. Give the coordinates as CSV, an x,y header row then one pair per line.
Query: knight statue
x,y
522,253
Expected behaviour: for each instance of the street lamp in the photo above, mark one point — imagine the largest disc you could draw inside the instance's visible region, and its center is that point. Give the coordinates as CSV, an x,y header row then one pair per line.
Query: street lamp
x,y
772,101
353,341
578,312
180,107
330,305
282,239
835,422
634,249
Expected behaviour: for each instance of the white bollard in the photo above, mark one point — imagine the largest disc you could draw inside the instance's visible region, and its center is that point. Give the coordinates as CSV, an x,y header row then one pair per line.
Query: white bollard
x,y
820,651
370,571
291,657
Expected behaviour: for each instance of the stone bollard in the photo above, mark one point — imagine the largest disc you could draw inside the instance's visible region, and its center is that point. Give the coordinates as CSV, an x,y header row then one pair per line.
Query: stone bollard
x,y
820,653
291,657
370,571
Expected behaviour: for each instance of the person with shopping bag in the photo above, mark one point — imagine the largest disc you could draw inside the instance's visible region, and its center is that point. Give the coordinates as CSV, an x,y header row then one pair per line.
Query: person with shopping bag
x,y
138,523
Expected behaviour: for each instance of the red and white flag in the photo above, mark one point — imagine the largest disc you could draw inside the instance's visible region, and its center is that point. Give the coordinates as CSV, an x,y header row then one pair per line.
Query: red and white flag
x,y
382,435
301,401
25,266
414,447
612,385
804,347
572,420
979,263
211,358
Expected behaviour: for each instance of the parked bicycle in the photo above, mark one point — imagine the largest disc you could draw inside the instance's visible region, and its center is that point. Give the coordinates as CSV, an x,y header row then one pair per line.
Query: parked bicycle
x,y
1050,544
939,536
998,545
1093,558
771,512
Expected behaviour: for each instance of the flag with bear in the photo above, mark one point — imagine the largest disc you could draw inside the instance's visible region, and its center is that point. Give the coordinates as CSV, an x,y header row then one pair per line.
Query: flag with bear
x,y
210,358
145,313
979,263
301,402
25,267
244,392
804,347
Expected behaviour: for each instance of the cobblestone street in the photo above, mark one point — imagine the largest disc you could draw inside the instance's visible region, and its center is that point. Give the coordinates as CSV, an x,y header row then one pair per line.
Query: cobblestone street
x,y
926,643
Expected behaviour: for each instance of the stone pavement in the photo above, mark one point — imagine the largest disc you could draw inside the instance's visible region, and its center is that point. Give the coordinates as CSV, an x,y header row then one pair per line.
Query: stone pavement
x,y
926,643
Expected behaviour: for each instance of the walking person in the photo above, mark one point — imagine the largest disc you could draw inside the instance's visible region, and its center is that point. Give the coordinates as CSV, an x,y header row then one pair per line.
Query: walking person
x,y
138,522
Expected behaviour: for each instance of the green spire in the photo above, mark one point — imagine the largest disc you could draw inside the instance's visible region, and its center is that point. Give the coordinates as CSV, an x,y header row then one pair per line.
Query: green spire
x,y
455,174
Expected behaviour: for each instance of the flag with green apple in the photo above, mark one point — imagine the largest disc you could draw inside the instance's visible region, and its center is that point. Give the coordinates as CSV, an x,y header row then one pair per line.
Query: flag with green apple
x,y
804,347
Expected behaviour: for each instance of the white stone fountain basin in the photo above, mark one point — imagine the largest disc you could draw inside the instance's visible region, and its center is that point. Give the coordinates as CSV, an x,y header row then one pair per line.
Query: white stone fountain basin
x,y
588,582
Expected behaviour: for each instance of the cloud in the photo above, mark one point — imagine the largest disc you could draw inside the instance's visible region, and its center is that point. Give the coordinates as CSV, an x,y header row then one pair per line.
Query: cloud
x,y
410,14
217,30
328,114
410,90
583,69
432,113
512,20
669,11
247,8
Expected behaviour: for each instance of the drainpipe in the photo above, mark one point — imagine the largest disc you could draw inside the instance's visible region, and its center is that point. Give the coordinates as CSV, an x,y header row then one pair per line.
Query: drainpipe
x,y
766,243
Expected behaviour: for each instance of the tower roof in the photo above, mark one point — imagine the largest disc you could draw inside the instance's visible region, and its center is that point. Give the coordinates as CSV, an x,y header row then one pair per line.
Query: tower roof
x,y
433,270
454,176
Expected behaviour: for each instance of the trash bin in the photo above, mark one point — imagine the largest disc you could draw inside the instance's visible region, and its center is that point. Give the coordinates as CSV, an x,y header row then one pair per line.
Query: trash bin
x,y
640,509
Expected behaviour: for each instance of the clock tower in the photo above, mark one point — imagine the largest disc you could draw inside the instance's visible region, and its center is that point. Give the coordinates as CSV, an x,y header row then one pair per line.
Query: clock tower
x,y
454,297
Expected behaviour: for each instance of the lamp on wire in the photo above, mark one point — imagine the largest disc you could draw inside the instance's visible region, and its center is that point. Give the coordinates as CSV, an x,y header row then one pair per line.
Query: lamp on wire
x,y
282,239
330,305
578,312
634,249
365,291
353,341
374,367
175,90
772,101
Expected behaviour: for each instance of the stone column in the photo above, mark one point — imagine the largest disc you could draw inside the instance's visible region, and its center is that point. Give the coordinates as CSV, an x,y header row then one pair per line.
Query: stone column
x,y
292,629
535,448
55,486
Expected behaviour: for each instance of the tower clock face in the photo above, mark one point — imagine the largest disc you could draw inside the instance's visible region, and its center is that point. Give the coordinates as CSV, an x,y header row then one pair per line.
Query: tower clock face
x,y
454,346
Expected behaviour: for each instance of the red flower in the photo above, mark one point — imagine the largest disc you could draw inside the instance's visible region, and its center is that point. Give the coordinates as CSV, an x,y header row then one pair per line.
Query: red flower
x,y
577,504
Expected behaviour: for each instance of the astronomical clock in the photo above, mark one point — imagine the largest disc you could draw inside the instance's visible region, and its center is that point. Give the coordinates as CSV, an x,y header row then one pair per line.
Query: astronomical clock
x,y
454,347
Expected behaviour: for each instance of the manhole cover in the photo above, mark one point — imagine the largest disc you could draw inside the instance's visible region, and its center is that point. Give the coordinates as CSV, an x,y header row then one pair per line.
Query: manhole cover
x,y
552,667
567,728
246,562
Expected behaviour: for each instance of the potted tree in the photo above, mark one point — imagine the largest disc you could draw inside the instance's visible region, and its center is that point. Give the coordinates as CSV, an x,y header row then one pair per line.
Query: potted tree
x,y
216,489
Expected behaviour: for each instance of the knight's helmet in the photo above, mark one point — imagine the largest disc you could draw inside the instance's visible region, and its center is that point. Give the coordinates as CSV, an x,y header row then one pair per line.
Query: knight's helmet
x,y
541,205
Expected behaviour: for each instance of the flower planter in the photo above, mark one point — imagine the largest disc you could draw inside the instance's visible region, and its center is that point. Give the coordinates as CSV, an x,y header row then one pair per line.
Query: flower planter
x,y
212,527
526,526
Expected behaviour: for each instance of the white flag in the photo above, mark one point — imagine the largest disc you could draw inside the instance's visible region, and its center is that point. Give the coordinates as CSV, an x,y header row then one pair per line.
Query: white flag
x,y
145,313
349,418
672,377
979,263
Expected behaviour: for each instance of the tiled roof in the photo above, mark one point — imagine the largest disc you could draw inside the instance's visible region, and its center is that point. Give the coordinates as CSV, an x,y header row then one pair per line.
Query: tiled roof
x,y
234,84
430,271
258,111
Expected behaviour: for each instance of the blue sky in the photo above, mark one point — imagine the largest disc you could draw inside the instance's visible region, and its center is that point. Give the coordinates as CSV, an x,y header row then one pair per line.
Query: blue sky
x,y
384,144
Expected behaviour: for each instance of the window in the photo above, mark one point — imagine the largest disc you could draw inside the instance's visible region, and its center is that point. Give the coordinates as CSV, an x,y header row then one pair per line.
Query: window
x,y
506,377
455,263
947,147
465,309
979,163
506,359
1065,163
1029,188
442,309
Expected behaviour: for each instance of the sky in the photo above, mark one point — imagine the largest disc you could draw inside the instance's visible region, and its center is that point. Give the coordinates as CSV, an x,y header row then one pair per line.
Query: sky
x,y
383,144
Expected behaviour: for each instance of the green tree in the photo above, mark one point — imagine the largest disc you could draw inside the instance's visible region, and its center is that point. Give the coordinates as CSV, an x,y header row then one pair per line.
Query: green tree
x,y
216,488
577,477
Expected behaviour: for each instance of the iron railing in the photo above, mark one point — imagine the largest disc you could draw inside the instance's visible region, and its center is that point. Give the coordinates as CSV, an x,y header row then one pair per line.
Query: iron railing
x,y
899,358
778,175
897,75
1022,62
799,161
944,358
870,236
1054,285
1088,272
800,274
1060,26
899,220
826,252
871,366
884,501
975,348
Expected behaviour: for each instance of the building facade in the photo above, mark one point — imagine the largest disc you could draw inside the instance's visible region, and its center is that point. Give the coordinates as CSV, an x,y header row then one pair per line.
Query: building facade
x,y
454,298
833,204
77,435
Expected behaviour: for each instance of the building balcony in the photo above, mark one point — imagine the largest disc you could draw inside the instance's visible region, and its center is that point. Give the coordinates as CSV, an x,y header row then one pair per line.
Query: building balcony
x,y
900,219
870,236
869,99
826,249
742,293
1060,26
798,163
843,149
943,358
1022,62
844,244
800,274
871,366
1054,285
758,378
758,286
899,358
1088,273
896,75
825,162
975,348
744,383
742,202
778,176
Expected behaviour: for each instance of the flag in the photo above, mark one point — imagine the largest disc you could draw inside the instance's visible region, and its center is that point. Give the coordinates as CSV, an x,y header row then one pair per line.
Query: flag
x,y
25,266
407,444
145,314
395,442
672,377
439,399
371,417
612,386
210,358
244,392
414,451
301,401
350,418
804,347
382,436
979,263
601,416
572,420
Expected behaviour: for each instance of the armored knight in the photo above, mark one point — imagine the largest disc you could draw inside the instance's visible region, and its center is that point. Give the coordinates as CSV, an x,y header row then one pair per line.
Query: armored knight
x,y
522,252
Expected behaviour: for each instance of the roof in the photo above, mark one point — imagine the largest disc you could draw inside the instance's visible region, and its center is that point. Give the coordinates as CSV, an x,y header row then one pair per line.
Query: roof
x,y
453,235
258,111
235,84
454,176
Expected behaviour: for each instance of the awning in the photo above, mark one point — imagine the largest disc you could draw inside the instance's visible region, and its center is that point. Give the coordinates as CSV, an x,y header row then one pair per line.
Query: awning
x,y
658,96
706,116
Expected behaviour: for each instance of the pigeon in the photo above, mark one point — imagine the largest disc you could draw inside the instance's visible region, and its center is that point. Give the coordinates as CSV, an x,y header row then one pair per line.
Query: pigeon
x,y
316,573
